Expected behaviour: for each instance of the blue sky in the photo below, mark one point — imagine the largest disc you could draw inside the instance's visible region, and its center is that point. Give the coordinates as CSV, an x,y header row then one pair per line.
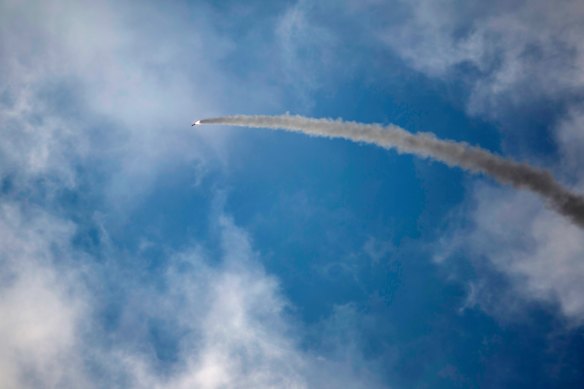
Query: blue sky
x,y
137,251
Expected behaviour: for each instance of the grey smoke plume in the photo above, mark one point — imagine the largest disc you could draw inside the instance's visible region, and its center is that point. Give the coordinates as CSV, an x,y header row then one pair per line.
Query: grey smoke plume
x,y
426,145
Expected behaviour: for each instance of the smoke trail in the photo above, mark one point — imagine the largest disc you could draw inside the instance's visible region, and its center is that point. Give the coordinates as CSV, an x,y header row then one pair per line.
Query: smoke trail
x,y
426,145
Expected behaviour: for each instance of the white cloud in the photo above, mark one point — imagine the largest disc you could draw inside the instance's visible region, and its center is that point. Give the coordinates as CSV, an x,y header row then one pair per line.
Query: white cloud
x,y
239,332
510,55
42,301
228,322
520,51
86,82
541,254
305,48
116,87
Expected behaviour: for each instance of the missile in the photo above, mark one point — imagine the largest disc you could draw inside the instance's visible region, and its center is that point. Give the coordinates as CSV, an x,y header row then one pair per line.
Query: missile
x,y
196,123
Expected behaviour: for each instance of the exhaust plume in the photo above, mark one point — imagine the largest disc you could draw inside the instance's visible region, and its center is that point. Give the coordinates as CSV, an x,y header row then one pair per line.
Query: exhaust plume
x,y
427,145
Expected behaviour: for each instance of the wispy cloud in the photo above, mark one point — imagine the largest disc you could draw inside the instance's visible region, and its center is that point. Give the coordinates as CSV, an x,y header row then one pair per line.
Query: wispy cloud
x,y
219,325
512,57
93,85
539,254
82,82
43,301
519,52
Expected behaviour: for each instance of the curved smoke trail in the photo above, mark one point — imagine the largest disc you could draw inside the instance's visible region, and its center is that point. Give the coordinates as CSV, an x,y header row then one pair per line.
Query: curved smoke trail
x,y
426,145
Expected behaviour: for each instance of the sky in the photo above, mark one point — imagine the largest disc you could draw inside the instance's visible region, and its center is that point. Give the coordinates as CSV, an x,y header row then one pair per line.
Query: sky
x,y
137,251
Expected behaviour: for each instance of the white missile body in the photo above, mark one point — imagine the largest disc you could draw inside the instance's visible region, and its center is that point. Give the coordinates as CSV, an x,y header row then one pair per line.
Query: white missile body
x,y
196,123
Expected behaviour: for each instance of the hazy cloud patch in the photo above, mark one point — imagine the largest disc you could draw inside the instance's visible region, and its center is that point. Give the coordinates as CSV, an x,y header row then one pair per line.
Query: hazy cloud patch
x,y
540,254
43,301
205,323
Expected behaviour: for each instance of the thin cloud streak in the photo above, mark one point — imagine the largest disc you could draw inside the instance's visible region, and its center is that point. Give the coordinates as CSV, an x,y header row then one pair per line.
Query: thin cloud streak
x,y
427,145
